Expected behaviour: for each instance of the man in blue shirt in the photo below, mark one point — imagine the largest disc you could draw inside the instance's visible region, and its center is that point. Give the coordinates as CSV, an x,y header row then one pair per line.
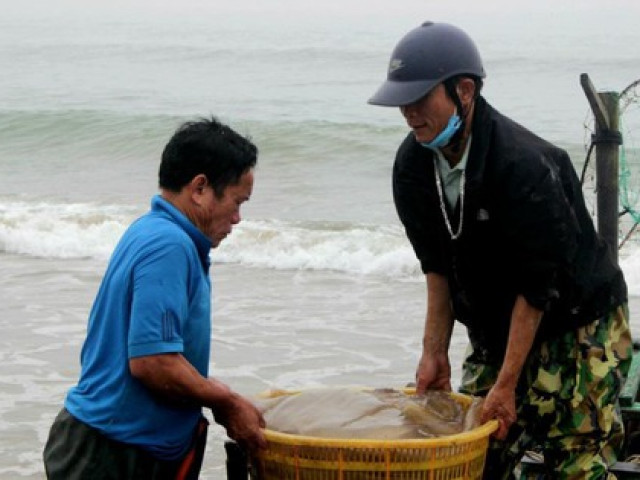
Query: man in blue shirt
x,y
136,411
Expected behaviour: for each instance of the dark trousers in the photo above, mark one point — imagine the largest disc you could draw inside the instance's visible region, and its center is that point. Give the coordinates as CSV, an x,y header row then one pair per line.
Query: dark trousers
x,y
75,451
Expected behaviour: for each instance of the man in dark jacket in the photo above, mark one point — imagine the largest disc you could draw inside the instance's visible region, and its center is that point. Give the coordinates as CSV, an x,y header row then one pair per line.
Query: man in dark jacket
x,y
497,219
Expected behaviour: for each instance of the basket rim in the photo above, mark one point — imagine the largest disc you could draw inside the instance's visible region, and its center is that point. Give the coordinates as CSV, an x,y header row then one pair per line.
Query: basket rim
x,y
478,433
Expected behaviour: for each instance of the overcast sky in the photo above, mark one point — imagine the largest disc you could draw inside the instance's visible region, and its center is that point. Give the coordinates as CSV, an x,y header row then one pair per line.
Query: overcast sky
x,y
485,8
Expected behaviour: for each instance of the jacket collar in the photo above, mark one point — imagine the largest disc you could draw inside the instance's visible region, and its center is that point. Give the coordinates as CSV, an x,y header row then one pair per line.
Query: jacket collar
x,y
481,131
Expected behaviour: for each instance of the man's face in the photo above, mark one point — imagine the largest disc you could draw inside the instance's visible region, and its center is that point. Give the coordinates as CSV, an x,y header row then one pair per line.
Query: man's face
x,y
428,116
216,216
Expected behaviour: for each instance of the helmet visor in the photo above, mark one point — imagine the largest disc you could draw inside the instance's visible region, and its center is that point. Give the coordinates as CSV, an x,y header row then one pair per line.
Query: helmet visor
x,y
394,93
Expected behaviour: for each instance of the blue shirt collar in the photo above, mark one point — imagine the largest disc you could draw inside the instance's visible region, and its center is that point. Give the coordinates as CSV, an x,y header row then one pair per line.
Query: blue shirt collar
x,y
202,243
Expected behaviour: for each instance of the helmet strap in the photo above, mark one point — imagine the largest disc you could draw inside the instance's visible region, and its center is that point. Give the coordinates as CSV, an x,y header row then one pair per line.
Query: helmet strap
x,y
450,88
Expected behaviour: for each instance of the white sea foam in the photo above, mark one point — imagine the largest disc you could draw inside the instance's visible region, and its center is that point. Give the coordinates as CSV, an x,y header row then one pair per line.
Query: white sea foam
x,y
87,230
360,249
92,231
60,230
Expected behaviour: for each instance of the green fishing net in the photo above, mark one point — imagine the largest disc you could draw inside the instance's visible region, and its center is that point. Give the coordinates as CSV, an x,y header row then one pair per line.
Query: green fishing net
x,y
628,164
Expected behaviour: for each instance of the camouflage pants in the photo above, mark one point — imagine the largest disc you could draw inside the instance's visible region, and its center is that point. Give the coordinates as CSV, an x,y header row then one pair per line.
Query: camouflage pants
x,y
566,401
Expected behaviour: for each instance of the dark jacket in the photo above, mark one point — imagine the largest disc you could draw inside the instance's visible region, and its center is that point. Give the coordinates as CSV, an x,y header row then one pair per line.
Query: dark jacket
x,y
525,230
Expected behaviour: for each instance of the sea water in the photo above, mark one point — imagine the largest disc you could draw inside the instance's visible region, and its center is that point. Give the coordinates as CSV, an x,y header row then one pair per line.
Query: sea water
x,y
318,284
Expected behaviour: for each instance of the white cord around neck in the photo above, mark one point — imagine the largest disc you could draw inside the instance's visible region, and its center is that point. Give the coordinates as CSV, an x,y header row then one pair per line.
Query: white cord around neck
x,y
443,207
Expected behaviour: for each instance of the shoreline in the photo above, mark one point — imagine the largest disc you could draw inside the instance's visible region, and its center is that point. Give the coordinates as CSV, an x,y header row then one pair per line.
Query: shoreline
x,y
271,329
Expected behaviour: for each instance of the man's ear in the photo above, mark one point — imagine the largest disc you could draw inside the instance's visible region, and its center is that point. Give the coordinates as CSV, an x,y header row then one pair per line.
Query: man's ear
x,y
197,187
466,89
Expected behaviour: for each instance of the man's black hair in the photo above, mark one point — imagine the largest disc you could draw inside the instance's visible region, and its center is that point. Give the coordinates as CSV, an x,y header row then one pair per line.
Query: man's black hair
x,y
209,147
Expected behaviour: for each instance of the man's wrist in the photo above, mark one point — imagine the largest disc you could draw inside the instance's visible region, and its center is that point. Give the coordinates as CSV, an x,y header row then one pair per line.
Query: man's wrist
x,y
435,346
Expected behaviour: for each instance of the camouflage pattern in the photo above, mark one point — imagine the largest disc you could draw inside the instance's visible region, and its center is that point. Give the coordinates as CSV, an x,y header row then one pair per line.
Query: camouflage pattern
x,y
566,401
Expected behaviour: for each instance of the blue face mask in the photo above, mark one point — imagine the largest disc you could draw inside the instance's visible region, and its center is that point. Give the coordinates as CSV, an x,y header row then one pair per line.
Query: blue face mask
x,y
443,138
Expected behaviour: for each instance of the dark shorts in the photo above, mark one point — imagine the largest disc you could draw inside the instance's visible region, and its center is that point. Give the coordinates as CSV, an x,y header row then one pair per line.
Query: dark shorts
x,y
75,451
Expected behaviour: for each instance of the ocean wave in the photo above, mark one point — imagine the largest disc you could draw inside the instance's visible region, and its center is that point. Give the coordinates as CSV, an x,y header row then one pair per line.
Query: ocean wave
x,y
83,230
77,230
78,133
86,230
341,246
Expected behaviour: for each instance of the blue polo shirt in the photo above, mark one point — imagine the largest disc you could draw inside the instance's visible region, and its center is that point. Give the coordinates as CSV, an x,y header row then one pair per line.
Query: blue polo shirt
x,y
155,298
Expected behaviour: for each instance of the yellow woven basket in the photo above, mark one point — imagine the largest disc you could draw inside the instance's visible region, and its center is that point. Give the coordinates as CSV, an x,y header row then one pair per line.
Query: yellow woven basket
x,y
453,457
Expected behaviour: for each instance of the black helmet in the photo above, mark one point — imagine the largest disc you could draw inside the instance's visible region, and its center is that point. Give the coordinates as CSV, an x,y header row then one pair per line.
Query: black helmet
x,y
425,57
